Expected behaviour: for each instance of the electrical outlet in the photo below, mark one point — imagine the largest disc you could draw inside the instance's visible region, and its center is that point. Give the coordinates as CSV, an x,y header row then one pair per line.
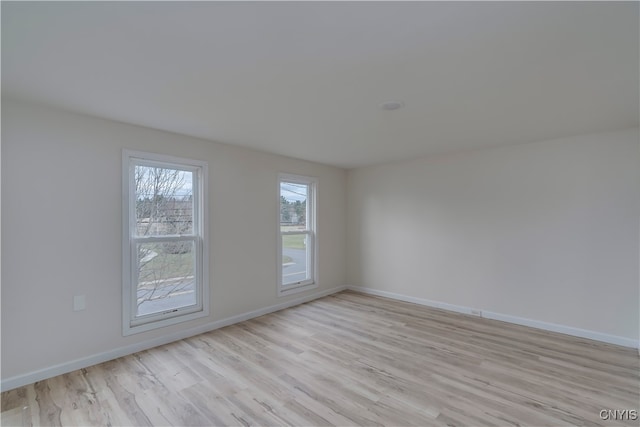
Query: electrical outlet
x,y
78,303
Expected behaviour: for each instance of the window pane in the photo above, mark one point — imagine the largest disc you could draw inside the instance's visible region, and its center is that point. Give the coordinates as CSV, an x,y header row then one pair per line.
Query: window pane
x,y
164,201
293,206
294,258
166,276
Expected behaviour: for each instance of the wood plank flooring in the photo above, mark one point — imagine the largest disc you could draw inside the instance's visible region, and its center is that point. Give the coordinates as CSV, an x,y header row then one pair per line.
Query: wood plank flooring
x,y
349,359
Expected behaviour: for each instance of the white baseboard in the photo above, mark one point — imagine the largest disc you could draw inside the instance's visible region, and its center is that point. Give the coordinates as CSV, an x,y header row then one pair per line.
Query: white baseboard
x,y
63,368
553,327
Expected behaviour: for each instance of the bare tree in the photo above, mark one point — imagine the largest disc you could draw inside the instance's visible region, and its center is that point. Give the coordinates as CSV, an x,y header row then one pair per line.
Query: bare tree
x,y
164,207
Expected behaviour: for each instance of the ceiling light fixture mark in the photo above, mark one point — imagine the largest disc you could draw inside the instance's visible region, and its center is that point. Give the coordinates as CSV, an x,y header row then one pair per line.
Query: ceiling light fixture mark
x,y
392,105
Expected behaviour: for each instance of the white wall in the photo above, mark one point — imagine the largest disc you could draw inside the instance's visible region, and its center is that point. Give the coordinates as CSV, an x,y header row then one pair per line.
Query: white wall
x,y
61,231
545,231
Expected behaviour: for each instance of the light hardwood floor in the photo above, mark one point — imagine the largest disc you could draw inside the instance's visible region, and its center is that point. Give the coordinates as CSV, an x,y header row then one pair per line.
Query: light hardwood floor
x,y
349,359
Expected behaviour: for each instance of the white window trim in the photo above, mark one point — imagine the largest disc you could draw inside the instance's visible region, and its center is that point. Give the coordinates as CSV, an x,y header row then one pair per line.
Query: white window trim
x,y
312,256
131,325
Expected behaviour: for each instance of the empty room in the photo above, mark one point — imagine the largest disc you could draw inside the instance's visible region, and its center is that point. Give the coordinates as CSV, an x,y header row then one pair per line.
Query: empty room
x,y
320,213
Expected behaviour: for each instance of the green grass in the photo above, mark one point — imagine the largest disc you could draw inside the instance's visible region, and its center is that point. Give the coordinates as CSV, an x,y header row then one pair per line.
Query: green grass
x,y
293,241
166,265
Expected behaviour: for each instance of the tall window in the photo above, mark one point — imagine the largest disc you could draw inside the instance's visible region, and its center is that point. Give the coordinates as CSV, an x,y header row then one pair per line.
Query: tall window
x,y
297,243
164,239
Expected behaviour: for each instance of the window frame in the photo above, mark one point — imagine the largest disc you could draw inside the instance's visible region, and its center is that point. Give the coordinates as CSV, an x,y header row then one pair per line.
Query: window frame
x,y
132,324
311,232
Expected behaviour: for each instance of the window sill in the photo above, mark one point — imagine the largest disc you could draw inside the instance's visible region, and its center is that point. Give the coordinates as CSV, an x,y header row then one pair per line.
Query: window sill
x,y
294,289
161,323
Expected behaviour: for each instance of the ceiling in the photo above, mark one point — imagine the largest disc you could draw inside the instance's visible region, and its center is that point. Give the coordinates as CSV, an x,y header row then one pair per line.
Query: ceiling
x,y
306,79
